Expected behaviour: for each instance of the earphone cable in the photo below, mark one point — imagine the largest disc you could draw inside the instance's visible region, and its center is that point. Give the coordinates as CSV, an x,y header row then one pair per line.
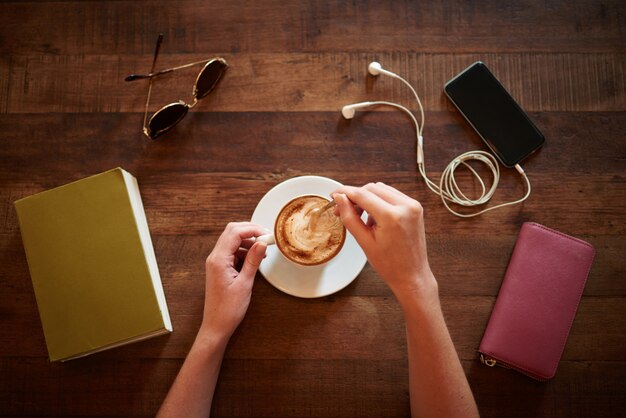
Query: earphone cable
x,y
448,188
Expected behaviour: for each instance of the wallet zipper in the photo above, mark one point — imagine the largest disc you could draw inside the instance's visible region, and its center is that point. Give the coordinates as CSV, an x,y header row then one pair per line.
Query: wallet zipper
x,y
490,361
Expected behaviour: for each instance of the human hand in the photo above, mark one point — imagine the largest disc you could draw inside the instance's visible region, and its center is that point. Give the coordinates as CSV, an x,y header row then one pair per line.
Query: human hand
x,y
393,237
230,271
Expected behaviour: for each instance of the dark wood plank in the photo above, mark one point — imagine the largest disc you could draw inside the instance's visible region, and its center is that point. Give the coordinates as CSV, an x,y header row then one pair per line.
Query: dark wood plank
x,y
119,388
341,387
601,393
130,27
317,81
281,145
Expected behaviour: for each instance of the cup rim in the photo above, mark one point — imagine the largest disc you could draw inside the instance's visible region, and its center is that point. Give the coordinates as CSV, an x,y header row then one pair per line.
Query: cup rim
x,y
327,259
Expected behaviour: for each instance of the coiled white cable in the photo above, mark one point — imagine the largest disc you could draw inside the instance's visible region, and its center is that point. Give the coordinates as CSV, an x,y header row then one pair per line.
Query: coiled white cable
x,y
448,188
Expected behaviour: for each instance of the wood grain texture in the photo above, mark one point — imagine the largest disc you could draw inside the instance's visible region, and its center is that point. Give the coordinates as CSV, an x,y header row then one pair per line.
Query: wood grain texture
x,y
341,387
129,27
257,82
66,113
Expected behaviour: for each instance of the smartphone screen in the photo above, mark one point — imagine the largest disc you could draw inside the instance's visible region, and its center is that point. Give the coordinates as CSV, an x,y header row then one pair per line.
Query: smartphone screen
x,y
494,114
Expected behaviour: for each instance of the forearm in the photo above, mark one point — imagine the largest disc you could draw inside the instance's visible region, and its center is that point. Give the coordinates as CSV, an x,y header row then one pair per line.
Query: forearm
x,y
437,383
191,394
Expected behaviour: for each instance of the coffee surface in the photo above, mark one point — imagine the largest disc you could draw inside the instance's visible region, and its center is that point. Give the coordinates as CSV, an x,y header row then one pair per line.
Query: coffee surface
x,y
307,242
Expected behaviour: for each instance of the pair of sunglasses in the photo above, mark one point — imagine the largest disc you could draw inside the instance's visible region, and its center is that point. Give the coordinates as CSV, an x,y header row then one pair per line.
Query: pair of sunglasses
x,y
168,116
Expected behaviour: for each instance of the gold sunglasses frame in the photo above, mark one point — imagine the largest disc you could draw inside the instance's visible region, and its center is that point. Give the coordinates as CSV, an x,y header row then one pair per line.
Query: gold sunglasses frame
x,y
194,92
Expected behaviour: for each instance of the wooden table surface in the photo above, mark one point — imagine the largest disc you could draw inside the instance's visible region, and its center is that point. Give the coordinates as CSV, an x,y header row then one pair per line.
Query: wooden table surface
x,y
66,113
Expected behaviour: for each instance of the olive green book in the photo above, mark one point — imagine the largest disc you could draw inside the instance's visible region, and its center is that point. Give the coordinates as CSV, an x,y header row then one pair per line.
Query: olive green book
x,y
92,265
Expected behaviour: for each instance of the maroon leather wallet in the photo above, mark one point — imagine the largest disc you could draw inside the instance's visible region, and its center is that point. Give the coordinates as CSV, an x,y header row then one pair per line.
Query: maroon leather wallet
x,y
537,302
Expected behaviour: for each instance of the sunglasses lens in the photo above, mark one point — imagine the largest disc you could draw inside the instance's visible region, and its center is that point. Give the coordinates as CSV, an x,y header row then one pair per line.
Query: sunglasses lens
x,y
209,76
166,118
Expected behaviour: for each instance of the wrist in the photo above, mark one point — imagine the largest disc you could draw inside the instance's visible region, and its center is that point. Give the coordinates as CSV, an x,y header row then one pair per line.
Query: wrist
x,y
419,295
216,324
210,338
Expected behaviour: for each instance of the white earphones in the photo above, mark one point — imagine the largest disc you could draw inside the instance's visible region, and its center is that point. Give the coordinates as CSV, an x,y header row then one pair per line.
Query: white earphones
x,y
376,69
348,111
448,188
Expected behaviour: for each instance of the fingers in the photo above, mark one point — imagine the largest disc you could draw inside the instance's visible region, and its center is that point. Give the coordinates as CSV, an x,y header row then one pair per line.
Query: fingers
x,y
252,261
352,220
389,194
241,255
371,222
407,202
357,209
366,199
375,197
247,243
235,235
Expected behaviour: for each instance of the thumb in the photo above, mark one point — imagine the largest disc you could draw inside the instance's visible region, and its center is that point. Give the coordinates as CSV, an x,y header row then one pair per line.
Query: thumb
x,y
253,260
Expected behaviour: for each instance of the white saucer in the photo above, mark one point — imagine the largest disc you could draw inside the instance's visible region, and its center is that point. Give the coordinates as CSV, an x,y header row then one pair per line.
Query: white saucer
x,y
305,281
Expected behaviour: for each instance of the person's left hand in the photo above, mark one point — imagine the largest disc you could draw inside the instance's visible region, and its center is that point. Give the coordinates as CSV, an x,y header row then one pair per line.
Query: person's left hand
x,y
230,271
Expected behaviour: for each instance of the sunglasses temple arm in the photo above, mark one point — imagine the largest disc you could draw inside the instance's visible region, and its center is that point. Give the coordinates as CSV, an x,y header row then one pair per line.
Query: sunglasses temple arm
x,y
156,54
133,77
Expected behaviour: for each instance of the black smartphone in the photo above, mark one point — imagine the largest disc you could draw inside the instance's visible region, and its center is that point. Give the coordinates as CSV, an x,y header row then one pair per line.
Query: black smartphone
x,y
494,114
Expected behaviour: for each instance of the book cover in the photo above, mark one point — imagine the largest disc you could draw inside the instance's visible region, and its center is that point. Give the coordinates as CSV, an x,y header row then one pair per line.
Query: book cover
x,y
92,265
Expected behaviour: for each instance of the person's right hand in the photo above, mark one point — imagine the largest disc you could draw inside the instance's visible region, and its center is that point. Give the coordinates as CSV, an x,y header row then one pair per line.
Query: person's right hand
x,y
393,237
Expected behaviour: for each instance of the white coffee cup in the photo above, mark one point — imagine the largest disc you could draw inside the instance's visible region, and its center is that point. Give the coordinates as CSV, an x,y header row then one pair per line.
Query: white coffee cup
x,y
294,238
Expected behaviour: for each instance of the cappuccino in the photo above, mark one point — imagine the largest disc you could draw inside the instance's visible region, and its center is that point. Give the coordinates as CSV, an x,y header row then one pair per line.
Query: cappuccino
x,y
305,242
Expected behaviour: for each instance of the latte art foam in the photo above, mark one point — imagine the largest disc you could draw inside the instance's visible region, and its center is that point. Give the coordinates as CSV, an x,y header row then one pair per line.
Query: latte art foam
x,y
307,242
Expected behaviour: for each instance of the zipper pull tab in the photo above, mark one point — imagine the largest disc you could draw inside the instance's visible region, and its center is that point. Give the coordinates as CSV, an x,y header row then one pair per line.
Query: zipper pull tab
x,y
487,361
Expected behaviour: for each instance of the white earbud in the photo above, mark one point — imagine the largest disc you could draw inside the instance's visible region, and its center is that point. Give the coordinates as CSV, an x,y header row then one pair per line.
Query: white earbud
x,y
375,69
348,111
